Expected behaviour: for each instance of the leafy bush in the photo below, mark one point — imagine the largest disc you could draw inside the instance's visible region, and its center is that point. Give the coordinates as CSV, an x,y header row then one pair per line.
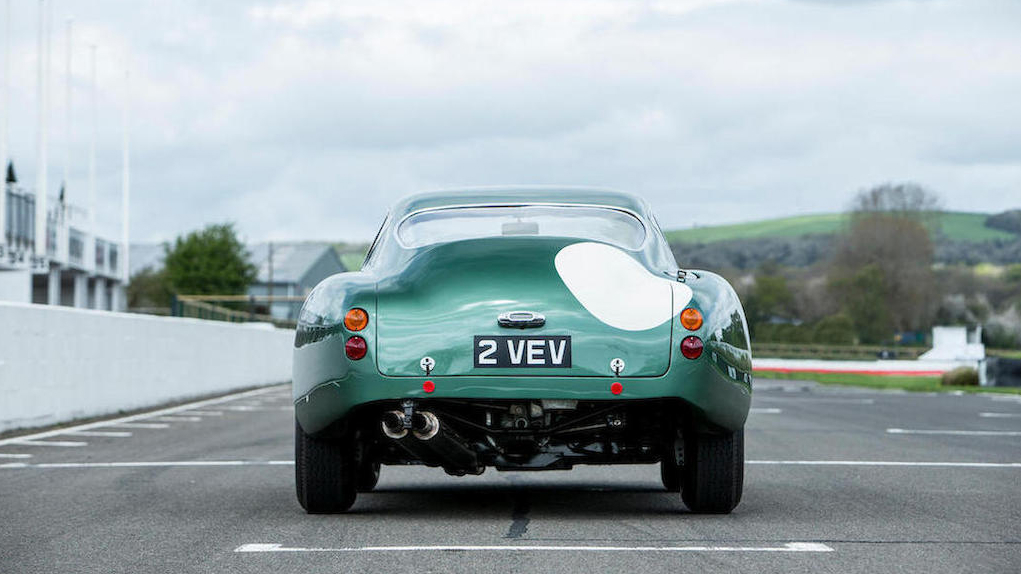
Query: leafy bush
x,y
834,330
960,377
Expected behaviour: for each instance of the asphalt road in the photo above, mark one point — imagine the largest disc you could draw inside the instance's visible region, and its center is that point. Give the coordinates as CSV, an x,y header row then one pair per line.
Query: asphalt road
x,y
829,488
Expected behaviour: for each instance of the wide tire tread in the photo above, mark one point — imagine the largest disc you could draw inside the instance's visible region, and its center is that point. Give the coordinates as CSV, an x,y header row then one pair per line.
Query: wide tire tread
x,y
713,473
324,474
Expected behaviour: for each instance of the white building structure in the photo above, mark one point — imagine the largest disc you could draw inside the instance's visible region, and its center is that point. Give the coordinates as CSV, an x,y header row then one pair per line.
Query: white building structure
x,y
49,249
59,274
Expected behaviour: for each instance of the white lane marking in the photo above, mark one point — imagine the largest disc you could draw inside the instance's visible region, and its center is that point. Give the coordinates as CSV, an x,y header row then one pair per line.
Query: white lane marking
x,y
954,432
250,408
141,416
818,400
140,426
885,463
215,463
788,547
99,433
18,455
67,443
203,413
175,419
148,464
1000,415
766,411
1005,398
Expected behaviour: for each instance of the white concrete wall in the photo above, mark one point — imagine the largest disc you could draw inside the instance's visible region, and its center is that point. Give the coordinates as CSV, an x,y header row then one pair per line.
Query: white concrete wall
x,y
59,364
16,285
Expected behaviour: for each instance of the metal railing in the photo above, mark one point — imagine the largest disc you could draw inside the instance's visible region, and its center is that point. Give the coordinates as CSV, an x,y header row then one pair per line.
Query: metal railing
x,y
835,352
206,307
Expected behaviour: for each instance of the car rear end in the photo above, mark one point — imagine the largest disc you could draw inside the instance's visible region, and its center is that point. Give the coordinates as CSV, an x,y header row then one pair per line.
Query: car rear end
x,y
504,352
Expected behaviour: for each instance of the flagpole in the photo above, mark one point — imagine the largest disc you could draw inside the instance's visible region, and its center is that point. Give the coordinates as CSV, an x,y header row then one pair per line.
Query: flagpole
x,y
40,185
90,253
4,129
125,181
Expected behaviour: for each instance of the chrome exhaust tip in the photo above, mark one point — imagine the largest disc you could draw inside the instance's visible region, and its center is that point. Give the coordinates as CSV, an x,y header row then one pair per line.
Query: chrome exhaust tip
x,y
393,425
425,425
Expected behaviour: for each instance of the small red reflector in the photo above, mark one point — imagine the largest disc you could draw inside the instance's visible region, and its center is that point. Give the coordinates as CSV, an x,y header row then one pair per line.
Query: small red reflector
x,y
616,388
428,386
355,348
691,347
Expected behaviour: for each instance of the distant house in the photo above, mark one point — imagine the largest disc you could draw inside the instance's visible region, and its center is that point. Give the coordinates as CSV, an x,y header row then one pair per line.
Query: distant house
x,y
296,268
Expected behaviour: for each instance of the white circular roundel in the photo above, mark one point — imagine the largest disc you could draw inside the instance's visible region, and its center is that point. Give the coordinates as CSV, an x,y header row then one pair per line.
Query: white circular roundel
x,y
617,289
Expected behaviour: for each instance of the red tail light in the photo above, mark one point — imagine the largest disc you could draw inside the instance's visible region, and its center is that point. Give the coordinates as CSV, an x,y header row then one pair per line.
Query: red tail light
x,y
355,348
691,347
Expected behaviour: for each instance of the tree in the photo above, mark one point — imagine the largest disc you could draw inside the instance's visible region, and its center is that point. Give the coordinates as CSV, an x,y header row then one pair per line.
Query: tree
x,y
888,250
212,261
769,298
864,298
149,288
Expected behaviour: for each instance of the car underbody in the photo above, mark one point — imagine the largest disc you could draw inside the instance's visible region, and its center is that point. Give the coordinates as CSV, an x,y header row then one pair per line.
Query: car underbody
x,y
465,436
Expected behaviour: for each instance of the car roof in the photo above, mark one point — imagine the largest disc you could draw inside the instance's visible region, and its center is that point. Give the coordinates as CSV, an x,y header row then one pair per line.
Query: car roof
x,y
520,194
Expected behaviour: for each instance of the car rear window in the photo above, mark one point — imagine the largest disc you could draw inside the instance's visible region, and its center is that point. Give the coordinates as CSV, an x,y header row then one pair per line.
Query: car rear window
x,y
604,224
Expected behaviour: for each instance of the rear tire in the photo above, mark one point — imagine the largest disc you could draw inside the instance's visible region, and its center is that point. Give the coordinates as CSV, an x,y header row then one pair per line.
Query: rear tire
x,y
670,472
368,476
324,473
713,471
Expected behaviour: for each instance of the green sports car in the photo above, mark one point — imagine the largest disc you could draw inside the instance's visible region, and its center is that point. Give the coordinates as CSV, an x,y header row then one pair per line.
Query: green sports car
x,y
521,329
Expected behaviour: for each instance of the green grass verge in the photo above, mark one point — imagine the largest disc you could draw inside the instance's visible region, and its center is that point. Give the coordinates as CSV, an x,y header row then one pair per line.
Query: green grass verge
x,y
908,383
956,225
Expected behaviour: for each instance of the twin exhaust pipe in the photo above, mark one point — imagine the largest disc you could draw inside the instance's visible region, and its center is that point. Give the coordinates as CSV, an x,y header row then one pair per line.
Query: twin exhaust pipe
x,y
431,442
424,425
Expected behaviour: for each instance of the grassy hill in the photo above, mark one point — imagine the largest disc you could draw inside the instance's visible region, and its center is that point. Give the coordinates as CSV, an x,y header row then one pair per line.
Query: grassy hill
x,y
955,225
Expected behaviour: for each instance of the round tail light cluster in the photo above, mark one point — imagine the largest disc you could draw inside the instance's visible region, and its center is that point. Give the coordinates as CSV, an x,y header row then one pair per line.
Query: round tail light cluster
x,y
355,348
691,347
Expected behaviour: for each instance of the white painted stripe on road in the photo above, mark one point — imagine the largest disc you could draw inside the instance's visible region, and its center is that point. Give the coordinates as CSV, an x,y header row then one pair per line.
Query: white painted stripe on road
x,y
1000,415
250,408
817,400
99,433
788,547
176,419
954,432
65,443
885,463
1006,398
140,426
215,463
142,416
766,411
203,413
146,464
16,455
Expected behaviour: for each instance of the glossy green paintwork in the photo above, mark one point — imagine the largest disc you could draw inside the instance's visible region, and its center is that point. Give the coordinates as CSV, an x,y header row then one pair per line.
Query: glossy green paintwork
x,y
451,292
433,300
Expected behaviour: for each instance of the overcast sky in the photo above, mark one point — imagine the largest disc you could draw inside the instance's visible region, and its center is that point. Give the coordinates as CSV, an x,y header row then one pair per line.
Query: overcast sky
x,y
306,119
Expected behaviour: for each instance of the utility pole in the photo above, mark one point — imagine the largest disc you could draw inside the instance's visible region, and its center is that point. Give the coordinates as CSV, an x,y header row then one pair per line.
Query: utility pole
x,y
269,290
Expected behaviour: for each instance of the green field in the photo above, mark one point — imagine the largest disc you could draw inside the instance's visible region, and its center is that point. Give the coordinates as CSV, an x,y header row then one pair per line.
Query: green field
x,y
956,225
